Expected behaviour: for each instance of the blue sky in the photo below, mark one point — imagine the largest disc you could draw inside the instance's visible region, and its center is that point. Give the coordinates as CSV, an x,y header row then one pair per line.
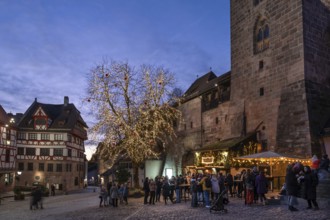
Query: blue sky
x,y
47,47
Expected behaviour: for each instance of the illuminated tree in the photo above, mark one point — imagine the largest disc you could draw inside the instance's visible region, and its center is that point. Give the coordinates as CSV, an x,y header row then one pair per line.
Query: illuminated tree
x,y
132,113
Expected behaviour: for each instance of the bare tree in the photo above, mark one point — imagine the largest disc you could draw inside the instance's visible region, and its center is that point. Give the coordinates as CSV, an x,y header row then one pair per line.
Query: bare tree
x,y
131,109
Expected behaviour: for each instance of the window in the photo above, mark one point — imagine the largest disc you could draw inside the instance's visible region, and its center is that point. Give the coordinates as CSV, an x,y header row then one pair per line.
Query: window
x,y
68,167
69,138
7,134
45,137
30,167
50,167
261,35
58,167
40,123
33,136
20,151
58,151
261,64
58,137
21,166
41,167
191,125
261,91
44,152
21,136
76,181
30,151
69,153
216,120
7,158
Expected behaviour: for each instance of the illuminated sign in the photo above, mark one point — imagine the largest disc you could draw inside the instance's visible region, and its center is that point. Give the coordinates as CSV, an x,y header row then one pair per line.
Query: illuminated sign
x,y
207,160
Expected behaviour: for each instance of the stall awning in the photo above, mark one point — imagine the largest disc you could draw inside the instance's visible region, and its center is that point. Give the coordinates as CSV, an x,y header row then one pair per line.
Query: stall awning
x,y
228,143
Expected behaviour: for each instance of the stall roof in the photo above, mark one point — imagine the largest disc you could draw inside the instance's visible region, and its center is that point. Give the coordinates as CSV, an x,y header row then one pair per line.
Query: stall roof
x,y
226,144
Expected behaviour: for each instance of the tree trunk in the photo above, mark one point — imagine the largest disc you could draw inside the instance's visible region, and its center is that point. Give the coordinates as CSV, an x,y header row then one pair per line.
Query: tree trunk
x,y
136,175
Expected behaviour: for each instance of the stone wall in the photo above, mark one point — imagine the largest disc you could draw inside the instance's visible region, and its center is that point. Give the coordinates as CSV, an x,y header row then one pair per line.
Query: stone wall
x,y
283,106
317,67
189,127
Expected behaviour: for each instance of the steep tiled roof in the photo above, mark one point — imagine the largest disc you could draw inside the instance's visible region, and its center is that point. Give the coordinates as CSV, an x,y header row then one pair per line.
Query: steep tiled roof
x,y
4,119
63,116
201,81
204,84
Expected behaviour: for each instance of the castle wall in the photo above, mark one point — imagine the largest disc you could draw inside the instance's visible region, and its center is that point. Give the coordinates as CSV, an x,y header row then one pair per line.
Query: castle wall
x,y
317,67
282,108
189,128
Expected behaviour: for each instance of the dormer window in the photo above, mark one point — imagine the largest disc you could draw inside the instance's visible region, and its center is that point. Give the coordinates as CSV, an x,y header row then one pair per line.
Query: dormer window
x,y
40,119
40,123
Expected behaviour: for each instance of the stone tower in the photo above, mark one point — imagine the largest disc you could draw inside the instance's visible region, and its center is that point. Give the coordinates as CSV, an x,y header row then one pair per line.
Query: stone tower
x,y
280,71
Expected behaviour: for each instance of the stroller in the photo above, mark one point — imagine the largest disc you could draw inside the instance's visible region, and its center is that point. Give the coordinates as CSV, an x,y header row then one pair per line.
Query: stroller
x,y
222,200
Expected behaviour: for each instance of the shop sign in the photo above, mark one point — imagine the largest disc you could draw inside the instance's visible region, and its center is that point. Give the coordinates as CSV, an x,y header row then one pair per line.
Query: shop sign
x,y
207,160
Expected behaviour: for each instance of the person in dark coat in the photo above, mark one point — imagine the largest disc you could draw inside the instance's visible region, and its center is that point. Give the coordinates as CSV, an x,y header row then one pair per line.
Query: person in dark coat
x,y
255,173
310,182
261,184
167,191
324,164
159,185
230,182
146,190
292,187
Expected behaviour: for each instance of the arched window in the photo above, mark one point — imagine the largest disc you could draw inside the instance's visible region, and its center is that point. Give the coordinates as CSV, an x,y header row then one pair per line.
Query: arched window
x,y
266,32
261,35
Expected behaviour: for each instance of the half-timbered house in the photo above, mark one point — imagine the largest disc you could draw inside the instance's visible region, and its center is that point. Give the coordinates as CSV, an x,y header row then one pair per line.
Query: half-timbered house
x,y
7,151
50,146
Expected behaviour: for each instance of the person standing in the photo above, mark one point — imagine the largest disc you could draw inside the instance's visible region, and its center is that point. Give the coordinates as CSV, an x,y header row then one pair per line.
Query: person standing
x,y
207,185
114,195
310,182
103,192
125,193
167,191
193,191
261,184
158,188
53,190
324,164
215,187
109,185
292,187
229,180
177,189
249,184
146,190
152,186
255,173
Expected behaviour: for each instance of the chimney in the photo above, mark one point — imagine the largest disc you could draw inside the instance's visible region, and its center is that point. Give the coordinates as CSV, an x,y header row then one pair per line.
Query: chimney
x,y
66,100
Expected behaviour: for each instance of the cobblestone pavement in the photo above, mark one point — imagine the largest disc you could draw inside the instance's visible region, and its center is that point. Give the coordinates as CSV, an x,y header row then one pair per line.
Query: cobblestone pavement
x,y
85,206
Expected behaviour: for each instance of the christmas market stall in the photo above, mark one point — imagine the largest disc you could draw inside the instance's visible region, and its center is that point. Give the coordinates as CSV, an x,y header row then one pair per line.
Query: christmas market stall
x,y
272,163
217,157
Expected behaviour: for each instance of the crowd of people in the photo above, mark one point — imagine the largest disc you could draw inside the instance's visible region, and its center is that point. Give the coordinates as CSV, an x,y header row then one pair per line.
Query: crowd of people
x,y
301,181
206,189
113,192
